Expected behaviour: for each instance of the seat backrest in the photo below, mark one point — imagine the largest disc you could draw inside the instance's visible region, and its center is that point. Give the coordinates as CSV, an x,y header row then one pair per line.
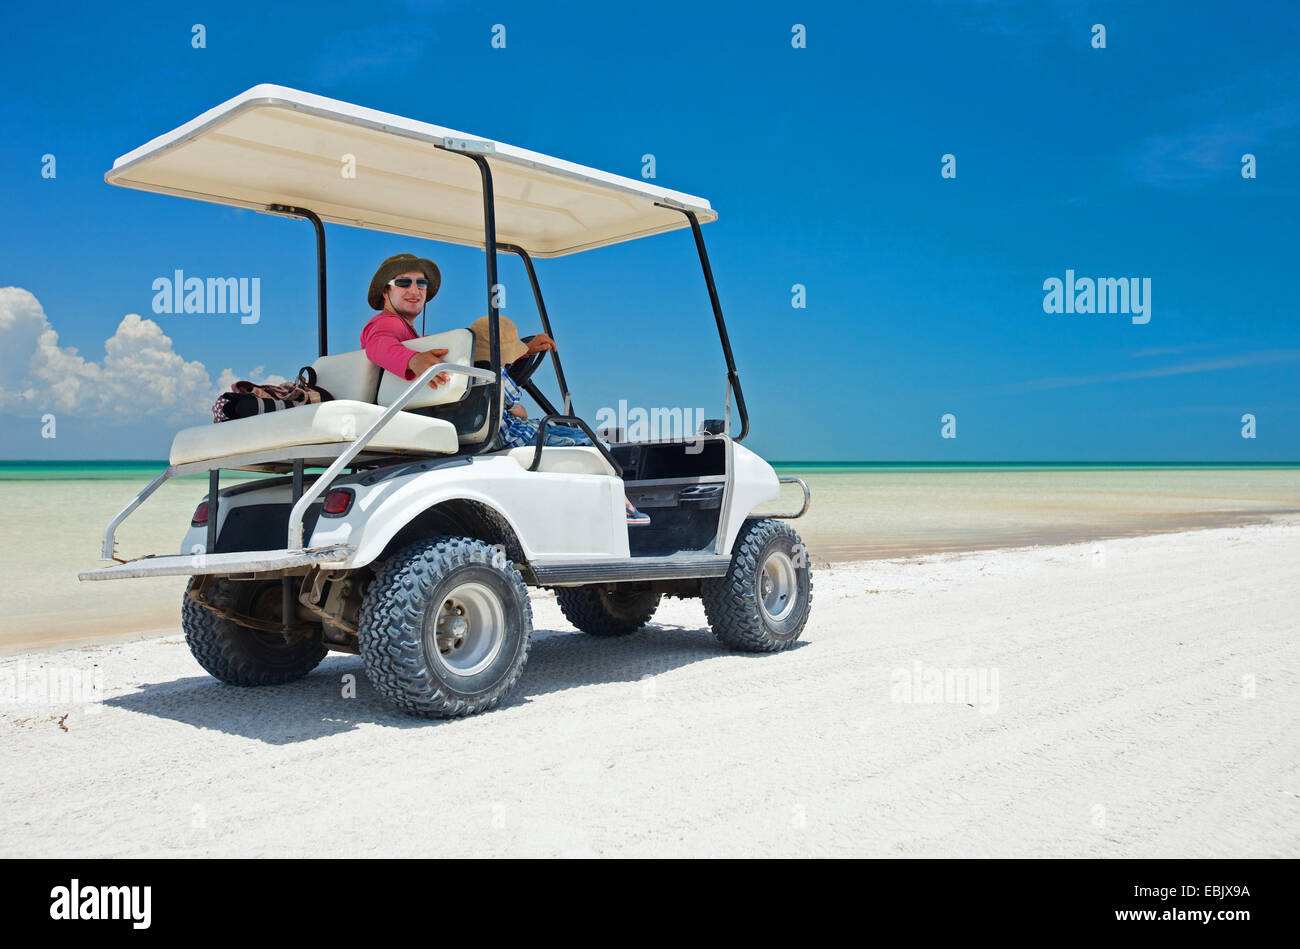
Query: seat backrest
x,y
348,376
353,376
471,416
460,350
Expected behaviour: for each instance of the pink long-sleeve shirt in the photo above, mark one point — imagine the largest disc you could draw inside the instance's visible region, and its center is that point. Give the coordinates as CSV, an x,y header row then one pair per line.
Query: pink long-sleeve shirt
x,y
382,340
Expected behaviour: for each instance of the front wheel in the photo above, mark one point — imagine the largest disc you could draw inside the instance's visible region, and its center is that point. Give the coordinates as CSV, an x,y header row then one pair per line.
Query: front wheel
x,y
762,603
445,627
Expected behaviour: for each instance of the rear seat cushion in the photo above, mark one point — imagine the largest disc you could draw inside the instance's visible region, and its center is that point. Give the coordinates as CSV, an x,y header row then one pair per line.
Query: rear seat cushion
x,y
460,350
323,423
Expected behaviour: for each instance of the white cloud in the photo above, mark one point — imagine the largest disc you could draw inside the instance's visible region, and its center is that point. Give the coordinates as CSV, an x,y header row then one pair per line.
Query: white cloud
x,y
1212,150
1244,360
140,376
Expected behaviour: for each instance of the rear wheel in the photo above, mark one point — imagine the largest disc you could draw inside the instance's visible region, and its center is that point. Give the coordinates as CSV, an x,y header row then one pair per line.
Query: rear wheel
x,y
607,611
241,655
762,604
445,627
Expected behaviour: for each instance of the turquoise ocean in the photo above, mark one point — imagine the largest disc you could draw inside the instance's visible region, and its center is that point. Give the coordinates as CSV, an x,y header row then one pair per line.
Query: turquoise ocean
x,y
54,516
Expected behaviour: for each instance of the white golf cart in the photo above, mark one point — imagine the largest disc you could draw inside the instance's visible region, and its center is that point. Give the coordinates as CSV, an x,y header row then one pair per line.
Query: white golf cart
x,y
415,545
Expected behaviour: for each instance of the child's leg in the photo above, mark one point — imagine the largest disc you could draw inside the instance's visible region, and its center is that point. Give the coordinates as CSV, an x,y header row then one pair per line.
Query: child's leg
x,y
565,436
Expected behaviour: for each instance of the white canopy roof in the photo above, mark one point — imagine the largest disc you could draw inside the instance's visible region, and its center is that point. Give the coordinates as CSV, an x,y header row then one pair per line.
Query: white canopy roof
x,y
274,145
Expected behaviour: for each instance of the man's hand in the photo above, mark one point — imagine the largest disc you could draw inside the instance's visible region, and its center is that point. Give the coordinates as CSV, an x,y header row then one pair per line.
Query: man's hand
x,y
518,411
422,361
540,343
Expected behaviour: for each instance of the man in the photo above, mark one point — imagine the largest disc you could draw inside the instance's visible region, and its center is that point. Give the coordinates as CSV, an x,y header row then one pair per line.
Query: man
x,y
400,289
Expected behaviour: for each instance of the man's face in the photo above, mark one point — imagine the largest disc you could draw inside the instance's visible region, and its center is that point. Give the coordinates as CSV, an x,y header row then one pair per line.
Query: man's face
x,y
407,302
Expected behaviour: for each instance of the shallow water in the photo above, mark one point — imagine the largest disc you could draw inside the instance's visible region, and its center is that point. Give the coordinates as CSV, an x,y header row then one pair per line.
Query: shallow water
x,y
52,529
53,520
867,513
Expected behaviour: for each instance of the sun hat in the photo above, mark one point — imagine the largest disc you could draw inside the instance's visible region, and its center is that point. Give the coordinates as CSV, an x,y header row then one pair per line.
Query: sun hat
x,y
399,264
511,347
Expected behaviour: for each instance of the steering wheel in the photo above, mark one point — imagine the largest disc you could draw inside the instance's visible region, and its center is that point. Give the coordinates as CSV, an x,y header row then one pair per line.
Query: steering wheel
x,y
523,368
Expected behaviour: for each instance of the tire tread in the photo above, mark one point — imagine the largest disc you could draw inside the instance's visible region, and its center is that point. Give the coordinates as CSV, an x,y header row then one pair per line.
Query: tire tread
x,y
586,609
730,603
390,634
216,645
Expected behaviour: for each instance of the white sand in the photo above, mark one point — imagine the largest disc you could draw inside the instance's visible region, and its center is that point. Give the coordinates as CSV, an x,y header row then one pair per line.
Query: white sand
x,y
1148,705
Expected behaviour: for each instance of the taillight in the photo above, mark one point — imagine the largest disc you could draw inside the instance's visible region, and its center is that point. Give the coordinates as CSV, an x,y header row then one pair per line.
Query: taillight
x,y
338,501
200,514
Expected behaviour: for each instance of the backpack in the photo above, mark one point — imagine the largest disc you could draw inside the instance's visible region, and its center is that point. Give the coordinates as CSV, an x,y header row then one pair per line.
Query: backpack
x,y
246,399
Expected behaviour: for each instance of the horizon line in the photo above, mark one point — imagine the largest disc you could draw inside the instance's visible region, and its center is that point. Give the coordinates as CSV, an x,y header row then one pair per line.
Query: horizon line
x,y
798,461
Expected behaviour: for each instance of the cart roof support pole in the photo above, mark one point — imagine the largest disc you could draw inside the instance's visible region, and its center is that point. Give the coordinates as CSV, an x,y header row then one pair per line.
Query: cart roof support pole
x,y
322,329
732,375
494,316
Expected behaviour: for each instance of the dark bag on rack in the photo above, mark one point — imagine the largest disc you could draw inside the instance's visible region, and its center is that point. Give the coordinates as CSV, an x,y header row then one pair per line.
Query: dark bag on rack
x,y
246,399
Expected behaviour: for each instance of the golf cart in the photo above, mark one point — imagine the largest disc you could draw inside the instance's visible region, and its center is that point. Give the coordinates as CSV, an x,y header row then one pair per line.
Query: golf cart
x,y
395,529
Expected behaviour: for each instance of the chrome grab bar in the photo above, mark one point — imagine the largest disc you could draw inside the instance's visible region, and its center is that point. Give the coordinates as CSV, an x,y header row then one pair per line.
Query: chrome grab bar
x,y
299,510
318,487
807,498
109,542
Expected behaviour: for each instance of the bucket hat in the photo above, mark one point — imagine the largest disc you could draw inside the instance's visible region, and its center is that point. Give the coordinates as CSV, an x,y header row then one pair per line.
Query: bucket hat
x,y
399,264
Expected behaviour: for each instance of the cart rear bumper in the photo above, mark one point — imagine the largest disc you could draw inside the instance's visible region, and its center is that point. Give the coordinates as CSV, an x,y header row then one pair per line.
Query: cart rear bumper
x,y
185,565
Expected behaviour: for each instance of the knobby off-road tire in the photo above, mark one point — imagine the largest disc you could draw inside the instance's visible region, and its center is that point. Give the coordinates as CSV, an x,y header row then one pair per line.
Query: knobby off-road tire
x,y
445,627
239,655
762,604
604,612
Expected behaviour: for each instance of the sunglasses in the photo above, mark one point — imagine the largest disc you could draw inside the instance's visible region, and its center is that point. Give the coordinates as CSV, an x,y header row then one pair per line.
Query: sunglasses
x,y
404,282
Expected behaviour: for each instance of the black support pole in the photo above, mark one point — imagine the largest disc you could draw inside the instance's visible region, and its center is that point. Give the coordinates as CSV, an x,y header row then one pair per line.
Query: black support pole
x,y
214,483
546,321
322,330
541,398
494,317
732,375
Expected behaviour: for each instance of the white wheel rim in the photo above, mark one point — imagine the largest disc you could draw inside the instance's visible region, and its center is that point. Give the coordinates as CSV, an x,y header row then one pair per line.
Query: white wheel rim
x,y
468,630
778,586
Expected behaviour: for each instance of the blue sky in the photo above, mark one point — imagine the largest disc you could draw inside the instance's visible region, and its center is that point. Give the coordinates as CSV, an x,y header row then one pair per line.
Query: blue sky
x,y
924,294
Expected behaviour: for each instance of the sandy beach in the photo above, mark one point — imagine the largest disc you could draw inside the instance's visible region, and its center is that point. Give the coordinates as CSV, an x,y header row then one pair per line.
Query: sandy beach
x,y
1134,697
